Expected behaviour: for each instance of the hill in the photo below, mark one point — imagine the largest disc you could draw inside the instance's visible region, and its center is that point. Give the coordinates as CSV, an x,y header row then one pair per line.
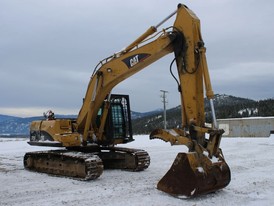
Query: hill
x,y
226,106
137,115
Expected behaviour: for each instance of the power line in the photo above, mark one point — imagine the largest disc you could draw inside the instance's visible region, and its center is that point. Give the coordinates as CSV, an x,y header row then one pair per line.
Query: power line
x,y
164,100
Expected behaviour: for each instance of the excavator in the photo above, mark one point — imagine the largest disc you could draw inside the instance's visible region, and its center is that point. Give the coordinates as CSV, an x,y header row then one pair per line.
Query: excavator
x,y
88,144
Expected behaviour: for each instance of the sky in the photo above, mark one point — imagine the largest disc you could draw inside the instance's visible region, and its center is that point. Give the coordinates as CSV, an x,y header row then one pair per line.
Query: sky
x,y
48,50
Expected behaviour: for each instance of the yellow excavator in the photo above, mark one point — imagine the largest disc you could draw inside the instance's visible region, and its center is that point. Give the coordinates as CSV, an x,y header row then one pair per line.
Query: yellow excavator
x,y
89,141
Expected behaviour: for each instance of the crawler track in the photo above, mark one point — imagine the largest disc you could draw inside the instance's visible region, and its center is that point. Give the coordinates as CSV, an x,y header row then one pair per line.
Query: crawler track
x,y
125,158
86,163
84,166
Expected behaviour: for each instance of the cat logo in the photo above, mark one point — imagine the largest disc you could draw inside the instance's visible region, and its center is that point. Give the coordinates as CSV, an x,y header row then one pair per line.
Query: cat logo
x,y
133,60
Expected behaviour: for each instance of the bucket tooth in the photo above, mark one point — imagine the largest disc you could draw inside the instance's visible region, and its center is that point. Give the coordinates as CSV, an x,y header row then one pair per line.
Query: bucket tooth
x,y
188,177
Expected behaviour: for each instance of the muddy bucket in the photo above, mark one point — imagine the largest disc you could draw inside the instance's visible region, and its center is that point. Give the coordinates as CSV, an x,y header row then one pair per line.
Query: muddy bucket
x,y
191,175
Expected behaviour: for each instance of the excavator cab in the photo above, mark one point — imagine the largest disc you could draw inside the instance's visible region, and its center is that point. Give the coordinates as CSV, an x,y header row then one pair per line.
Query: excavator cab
x,y
118,123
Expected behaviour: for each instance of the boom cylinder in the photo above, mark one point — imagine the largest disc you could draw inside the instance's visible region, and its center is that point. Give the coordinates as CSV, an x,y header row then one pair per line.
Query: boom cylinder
x,y
148,32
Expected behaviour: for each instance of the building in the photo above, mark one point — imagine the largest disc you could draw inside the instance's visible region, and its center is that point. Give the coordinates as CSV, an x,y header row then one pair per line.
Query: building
x,y
247,127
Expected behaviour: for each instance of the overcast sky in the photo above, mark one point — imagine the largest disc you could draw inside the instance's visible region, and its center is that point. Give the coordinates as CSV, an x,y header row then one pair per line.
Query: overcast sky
x,y
48,50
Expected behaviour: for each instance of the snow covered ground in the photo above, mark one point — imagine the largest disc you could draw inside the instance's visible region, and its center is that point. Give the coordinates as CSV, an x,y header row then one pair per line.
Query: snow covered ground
x,y
251,161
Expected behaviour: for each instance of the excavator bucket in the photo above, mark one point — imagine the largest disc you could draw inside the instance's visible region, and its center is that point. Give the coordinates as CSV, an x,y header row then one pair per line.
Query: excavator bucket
x,y
192,174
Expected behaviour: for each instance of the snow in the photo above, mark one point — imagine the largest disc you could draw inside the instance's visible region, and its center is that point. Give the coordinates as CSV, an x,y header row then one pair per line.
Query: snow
x,y
249,111
250,161
201,170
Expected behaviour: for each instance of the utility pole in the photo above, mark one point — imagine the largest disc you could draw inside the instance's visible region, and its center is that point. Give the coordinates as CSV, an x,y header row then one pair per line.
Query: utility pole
x,y
164,100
